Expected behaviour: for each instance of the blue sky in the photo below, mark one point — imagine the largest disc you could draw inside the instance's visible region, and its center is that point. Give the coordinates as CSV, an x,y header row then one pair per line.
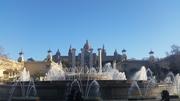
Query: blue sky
x,y
136,25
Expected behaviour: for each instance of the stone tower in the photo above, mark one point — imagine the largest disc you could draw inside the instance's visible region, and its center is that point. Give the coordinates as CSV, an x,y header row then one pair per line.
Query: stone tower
x,y
57,57
87,55
151,56
103,54
72,57
21,57
124,56
49,56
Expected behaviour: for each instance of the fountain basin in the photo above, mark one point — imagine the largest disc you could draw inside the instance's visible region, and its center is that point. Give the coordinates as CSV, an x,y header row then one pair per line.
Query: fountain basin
x,y
92,99
89,76
25,99
57,90
137,98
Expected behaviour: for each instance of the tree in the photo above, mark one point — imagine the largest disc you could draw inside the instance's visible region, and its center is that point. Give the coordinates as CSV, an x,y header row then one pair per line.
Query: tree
x,y
175,50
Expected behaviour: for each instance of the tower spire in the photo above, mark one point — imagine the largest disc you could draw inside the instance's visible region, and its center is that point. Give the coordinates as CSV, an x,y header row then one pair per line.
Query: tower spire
x,y
70,47
115,51
103,46
87,42
87,46
58,57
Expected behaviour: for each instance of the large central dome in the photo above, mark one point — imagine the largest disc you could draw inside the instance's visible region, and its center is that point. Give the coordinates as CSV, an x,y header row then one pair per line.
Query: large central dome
x,y
87,45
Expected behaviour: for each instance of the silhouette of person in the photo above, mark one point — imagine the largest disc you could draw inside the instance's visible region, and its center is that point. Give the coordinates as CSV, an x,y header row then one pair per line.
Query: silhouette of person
x,y
165,95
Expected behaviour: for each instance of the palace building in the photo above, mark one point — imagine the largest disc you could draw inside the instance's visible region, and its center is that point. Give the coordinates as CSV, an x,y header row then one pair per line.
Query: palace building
x,y
88,56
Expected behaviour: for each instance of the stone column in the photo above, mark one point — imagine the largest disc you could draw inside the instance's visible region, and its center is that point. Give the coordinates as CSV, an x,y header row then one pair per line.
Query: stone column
x,y
91,58
114,64
100,60
73,57
82,58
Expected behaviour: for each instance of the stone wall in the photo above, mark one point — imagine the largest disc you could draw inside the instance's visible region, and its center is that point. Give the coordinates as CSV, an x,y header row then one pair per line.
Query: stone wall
x,y
37,68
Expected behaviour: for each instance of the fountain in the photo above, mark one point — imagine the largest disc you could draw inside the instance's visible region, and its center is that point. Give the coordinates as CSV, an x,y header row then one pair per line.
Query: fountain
x,y
78,90
134,88
170,78
25,85
55,73
151,82
113,73
173,83
93,89
149,74
141,74
24,75
177,79
86,83
108,73
147,83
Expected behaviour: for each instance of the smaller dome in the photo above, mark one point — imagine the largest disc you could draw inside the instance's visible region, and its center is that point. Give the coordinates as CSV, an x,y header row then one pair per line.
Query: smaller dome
x,y
49,51
123,51
21,53
151,52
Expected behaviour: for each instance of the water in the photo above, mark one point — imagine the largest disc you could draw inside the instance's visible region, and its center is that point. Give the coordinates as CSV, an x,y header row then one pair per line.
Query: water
x,y
55,73
88,89
173,83
141,74
151,83
149,74
170,78
24,84
113,73
177,79
134,88
24,75
92,71
93,89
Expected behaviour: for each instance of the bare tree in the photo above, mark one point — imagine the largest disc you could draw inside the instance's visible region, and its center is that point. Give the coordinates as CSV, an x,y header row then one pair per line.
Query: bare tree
x,y
175,50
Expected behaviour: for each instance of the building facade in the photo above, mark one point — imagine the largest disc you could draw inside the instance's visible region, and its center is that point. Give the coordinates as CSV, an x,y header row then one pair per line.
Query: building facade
x,y
88,57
